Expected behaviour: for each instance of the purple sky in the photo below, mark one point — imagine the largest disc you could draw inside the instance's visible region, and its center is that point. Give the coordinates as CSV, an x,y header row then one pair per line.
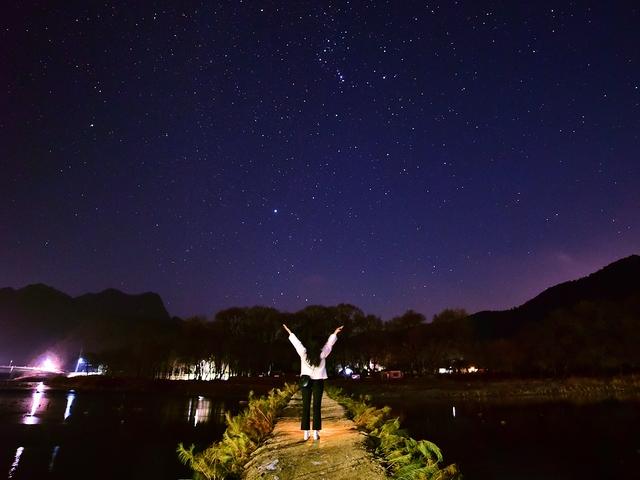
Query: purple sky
x,y
390,155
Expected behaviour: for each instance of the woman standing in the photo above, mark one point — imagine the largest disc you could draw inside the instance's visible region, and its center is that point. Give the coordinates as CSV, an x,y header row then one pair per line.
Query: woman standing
x,y
312,363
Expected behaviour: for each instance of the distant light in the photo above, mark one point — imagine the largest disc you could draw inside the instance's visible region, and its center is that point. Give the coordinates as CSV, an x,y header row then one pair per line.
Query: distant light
x,y
275,210
49,366
472,369
80,362
454,411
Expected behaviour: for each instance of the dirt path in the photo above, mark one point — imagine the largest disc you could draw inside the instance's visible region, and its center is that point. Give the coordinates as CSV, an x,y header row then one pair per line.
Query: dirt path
x,y
338,455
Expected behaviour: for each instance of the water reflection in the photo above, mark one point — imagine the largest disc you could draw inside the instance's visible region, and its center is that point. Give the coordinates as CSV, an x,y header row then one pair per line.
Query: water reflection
x,y
494,440
199,410
87,426
36,400
54,454
70,399
16,461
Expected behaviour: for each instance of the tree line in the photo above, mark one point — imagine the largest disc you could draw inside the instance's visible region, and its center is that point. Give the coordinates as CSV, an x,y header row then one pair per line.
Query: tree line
x,y
587,338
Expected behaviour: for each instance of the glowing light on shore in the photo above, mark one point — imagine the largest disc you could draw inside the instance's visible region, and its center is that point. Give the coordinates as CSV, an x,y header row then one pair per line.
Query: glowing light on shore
x,y
48,365
80,362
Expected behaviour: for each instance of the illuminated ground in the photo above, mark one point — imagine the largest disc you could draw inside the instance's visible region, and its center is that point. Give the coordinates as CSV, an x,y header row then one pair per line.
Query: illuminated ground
x,y
339,454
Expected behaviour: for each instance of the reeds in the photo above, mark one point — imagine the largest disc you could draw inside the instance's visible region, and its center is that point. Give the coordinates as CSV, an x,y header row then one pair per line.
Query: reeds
x,y
404,457
245,431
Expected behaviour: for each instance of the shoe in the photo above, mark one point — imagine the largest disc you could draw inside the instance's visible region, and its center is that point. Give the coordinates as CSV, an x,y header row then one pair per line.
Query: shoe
x,y
306,434
316,435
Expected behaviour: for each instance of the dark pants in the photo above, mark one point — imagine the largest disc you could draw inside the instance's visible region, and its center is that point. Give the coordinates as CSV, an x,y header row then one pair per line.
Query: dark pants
x,y
316,387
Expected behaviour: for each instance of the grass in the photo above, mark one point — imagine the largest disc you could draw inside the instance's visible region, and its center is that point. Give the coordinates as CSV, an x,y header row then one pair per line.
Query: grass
x,y
404,457
244,433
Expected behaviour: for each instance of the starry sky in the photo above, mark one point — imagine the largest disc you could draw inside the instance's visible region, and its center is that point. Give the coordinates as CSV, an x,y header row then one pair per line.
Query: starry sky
x,y
392,155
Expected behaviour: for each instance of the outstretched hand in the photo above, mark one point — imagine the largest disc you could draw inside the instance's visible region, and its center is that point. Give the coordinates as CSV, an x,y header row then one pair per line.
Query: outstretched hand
x,y
287,329
338,330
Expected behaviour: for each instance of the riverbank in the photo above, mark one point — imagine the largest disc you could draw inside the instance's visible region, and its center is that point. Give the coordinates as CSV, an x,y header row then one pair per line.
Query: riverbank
x,y
478,387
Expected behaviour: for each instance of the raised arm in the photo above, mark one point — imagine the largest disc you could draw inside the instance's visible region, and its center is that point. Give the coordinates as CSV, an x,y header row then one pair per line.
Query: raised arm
x,y
333,338
296,343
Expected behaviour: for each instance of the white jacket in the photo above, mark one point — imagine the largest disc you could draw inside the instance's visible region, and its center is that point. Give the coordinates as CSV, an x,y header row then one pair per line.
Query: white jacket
x,y
319,372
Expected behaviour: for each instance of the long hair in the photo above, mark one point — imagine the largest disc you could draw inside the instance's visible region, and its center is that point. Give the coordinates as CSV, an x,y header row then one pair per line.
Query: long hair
x,y
314,348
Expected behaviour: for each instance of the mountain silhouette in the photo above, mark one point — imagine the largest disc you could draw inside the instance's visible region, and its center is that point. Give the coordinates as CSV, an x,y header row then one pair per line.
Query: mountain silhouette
x,y
618,283
583,323
38,319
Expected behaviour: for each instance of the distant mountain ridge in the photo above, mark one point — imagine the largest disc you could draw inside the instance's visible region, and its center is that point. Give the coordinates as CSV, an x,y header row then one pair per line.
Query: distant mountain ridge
x,y
39,318
601,309
617,282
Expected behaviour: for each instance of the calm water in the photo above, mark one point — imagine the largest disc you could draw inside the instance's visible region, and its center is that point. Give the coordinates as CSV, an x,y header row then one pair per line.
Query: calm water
x,y
558,440
68,435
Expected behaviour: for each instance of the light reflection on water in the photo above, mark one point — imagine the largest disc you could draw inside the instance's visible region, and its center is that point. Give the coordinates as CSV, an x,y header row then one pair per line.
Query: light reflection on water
x,y
199,410
44,406
52,424
54,454
493,440
71,396
16,462
36,401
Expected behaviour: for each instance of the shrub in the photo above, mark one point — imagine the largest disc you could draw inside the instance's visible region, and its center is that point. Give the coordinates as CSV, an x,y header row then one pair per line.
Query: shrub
x,y
404,457
245,431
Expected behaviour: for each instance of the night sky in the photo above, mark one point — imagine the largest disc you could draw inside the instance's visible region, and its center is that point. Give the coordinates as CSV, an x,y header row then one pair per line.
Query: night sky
x,y
392,155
